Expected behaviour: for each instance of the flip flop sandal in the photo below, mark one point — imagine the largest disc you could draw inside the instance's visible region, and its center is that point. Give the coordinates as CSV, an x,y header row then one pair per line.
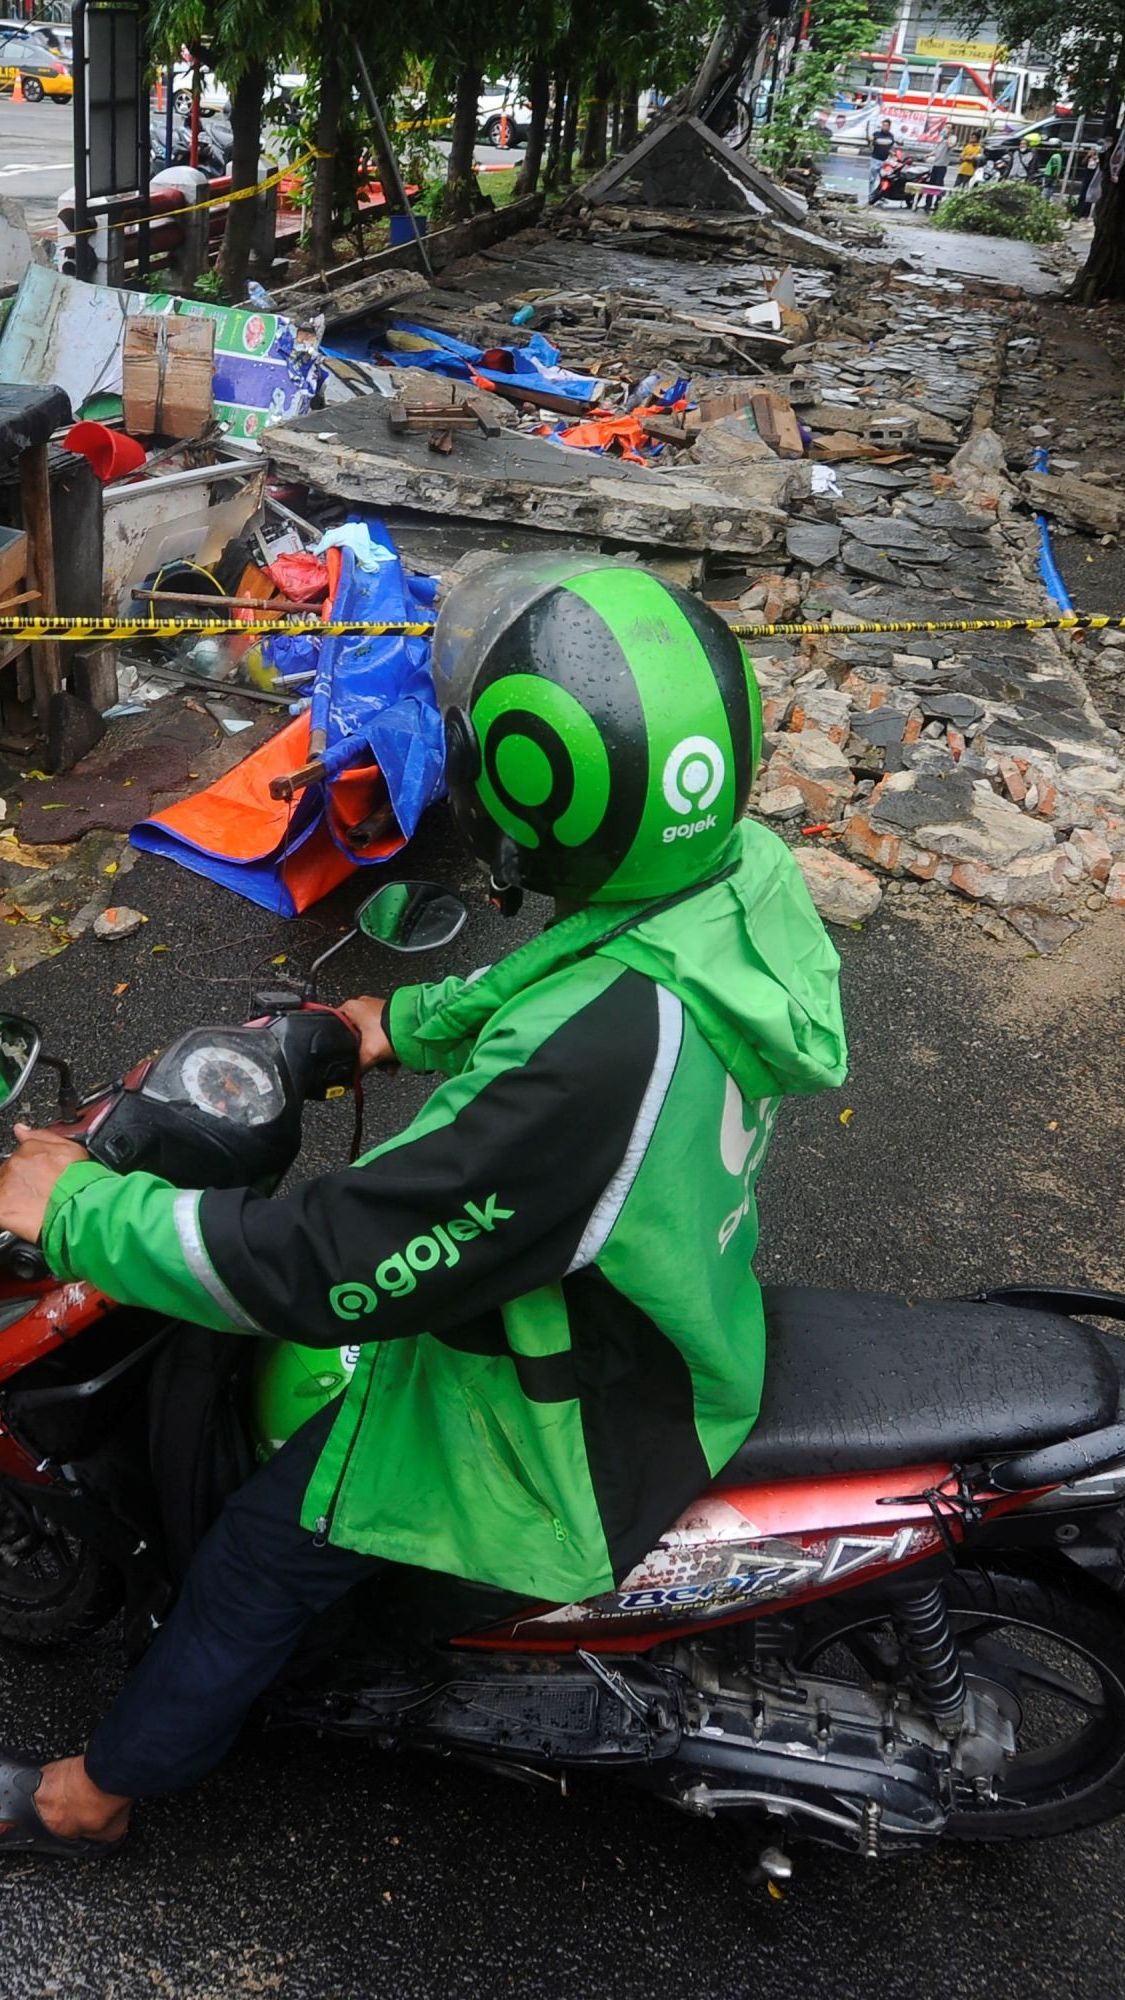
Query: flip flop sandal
x,y
21,1829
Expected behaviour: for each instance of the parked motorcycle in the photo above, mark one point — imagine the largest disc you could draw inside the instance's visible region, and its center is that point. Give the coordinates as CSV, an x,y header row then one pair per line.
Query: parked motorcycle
x,y
216,144
897,173
895,1618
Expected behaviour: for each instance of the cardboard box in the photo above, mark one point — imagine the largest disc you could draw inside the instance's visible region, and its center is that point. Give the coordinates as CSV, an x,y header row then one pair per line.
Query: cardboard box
x,y
167,369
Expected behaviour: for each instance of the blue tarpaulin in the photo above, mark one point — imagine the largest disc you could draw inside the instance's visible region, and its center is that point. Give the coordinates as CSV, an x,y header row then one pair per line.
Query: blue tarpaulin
x,y
374,698
536,365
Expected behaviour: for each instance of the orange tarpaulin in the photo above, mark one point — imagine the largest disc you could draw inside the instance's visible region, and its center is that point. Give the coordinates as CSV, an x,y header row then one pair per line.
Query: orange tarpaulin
x,y
281,855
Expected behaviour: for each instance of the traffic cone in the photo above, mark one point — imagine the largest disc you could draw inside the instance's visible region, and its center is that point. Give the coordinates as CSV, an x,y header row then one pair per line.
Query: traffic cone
x,y
159,92
17,90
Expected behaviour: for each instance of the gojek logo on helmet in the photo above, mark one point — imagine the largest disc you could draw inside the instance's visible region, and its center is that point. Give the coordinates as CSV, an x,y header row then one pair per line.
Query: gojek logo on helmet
x,y
398,1274
693,778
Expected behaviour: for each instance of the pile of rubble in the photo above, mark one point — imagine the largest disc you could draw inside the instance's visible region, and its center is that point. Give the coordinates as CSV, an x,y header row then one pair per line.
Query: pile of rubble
x,y
838,467
733,395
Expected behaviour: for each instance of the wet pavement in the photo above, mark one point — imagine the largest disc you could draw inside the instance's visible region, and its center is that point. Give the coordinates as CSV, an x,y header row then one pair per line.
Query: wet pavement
x,y
985,1146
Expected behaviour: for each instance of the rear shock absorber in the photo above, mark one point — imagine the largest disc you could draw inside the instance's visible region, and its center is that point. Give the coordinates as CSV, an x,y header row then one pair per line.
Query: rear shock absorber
x,y
921,1622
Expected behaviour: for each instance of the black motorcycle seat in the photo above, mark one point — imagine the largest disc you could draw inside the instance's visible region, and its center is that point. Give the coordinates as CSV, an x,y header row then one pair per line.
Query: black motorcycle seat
x,y
859,1381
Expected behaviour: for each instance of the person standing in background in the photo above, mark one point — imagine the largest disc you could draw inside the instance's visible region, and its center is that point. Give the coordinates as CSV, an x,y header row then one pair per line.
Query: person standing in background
x,y
882,146
937,166
969,161
1086,182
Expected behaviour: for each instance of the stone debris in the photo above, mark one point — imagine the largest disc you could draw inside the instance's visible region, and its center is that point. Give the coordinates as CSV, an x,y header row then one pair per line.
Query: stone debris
x,y
842,892
119,921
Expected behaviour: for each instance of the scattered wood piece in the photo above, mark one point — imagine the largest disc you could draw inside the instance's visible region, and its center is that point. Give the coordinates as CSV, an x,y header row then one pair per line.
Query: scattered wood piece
x,y
777,423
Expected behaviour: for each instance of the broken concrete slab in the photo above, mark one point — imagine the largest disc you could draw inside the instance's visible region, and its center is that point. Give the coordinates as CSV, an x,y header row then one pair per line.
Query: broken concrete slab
x,y
873,563
813,542
525,480
901,538
1097,509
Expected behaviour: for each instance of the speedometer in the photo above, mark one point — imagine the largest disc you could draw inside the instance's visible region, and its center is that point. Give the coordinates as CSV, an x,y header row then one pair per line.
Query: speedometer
x,y
228,1083
227,1073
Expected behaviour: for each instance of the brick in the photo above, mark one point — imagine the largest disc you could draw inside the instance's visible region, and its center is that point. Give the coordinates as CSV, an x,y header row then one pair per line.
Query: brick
x,y
1035,881
775,710
913,729
919,862
956,742
1115,886
824,798
1013,779
883,849
1047,801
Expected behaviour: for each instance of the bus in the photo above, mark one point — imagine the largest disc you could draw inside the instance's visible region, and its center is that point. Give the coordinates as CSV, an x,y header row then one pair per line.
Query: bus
x,y
924,96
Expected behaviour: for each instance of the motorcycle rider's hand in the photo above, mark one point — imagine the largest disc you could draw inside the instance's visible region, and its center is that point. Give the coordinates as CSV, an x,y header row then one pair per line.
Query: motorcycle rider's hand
x,y
27,1179
366,1014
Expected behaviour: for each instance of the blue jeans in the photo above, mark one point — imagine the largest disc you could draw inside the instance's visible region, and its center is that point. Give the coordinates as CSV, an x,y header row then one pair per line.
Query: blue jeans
x,y
257,1582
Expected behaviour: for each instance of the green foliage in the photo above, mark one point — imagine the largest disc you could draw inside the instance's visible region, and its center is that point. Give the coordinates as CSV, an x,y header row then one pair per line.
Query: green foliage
x,y
1084,39
839,28
1021,211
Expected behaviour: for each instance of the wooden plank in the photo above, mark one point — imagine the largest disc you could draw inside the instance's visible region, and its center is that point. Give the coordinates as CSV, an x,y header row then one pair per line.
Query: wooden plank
x,y
35,495
777,424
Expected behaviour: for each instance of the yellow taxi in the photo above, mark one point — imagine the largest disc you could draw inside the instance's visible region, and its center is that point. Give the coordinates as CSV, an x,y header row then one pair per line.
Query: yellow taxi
x,y
41,71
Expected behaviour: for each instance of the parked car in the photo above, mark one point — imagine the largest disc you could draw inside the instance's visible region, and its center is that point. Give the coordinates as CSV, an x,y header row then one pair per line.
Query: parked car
x,y
1060,128
41,72
503,115
213,95
58,39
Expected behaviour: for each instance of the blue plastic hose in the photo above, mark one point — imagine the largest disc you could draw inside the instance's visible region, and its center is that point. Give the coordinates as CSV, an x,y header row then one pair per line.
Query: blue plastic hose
x,y
1048,568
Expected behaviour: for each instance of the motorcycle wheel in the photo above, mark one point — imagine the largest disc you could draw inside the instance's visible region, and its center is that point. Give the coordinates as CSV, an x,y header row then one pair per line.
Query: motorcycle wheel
x,y
1055,1651
53,1586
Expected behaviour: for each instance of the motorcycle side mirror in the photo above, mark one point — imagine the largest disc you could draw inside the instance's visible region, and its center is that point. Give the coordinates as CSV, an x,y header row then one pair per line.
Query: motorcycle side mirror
x,y
412,916
20,1048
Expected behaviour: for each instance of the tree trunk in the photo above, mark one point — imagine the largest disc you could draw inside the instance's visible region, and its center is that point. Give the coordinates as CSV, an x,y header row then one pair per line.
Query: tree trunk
x,y
322,221
246,132
630,115
539,97
1103,274
558,120
615,124
570,128
597,112
460,187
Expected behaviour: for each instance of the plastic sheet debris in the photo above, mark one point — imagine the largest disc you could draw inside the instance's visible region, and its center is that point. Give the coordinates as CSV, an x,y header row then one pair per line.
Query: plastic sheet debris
x,y
410,345
373,725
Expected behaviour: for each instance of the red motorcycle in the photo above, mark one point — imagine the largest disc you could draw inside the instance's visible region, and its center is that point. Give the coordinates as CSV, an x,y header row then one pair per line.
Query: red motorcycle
x,y
895,1618
895,178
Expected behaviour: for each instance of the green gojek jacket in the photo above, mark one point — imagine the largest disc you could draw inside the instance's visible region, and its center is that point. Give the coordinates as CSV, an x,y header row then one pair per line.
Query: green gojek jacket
x,y
549,1271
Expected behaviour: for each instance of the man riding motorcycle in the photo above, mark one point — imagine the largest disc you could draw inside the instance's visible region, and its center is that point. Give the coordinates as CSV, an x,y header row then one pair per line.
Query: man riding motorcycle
x,y
548,1272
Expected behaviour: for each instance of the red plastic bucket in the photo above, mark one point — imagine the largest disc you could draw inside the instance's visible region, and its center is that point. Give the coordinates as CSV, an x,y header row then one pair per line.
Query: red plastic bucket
x,y
111,453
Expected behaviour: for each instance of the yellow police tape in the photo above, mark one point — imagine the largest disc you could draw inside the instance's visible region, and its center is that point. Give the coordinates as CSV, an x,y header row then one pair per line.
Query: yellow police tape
x,y
83,631
214,201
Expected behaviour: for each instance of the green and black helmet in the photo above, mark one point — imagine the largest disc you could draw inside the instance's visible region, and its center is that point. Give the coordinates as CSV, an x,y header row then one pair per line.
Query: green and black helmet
x,y
602,727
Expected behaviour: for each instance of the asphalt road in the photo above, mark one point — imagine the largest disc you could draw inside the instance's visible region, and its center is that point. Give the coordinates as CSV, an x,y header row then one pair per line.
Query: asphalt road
x,y
985,1144
37,156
